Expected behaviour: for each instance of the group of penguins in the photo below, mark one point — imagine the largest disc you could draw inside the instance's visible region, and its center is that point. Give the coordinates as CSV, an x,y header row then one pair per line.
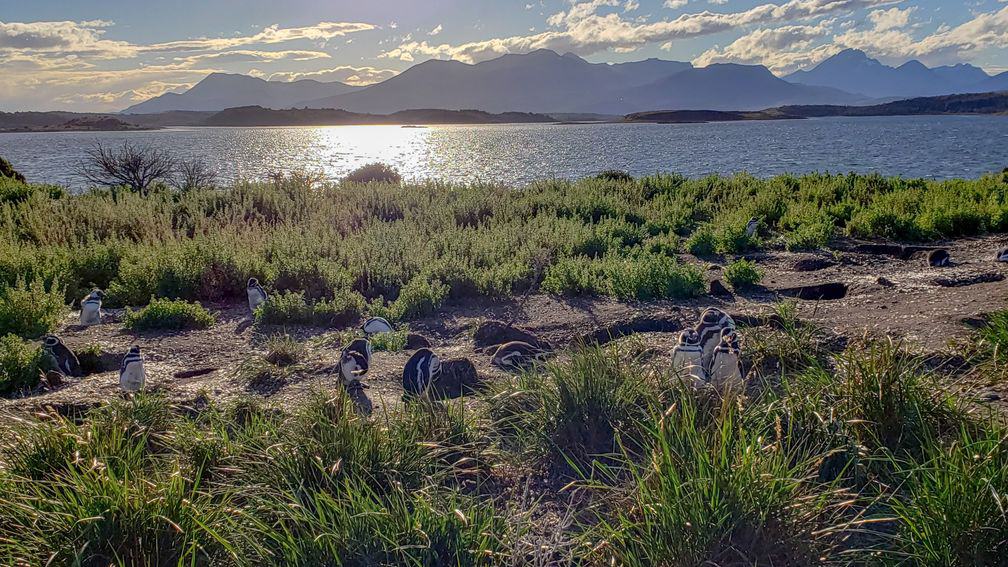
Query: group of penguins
x,y
60,358
709,353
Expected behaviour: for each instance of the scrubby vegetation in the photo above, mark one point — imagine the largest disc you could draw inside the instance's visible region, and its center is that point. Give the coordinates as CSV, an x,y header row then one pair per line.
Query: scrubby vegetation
x,y
373,173
742,274
852,457
401,251
20,363
169,314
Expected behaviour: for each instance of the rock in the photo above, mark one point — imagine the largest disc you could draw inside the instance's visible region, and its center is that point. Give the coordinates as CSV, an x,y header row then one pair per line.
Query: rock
x,y
718,289
966,280
812,264
819,292
494,333
415,341
884,282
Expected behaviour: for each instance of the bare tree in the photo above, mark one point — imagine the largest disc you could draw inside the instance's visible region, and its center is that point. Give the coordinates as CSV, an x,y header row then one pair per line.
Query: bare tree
x,y
133,166
193,173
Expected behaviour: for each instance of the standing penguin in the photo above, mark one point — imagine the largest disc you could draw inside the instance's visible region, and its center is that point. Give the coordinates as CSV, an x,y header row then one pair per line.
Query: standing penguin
x,y
420,372
376,325
256,295
687,356
938,258
91,313
355,359
132,376
516,355
712,323
725,372
751,227
60,357
1002,255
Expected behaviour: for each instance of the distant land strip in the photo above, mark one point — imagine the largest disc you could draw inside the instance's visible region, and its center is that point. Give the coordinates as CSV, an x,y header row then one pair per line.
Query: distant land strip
x,y
982,103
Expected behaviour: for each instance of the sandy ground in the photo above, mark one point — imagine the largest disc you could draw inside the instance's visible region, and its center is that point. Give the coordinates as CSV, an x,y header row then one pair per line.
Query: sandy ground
x,y
889,291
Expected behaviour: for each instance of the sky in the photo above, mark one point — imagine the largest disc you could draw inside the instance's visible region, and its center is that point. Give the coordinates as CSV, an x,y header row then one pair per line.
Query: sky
x,y
104,55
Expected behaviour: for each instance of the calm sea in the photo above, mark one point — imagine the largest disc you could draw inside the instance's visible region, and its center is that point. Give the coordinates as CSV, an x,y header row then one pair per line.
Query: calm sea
x,y
932,147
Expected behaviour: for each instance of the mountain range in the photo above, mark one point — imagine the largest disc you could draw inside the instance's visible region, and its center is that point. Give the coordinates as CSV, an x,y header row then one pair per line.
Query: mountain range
x,y
853,71
544,81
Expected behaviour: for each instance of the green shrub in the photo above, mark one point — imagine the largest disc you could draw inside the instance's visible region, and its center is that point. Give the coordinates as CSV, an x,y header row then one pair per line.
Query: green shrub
x,y
373,173
703,242
291,308
994,335
742,274
575,276
8,171
169,314
32,309
649,276
615,175
418,298
20,363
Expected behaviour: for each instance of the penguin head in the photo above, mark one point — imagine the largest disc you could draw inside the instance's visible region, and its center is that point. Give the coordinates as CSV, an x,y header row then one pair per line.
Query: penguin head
x,y
253,282
134,350
711,316
51,341
97,294
689,337
729,338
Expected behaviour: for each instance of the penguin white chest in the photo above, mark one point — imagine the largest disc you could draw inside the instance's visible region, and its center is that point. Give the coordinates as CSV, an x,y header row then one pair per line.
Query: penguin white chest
x,y
132,377
725,371
90,313
688,362
255,298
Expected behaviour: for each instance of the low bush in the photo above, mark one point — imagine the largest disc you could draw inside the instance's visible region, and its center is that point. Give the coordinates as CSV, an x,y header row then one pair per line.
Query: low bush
x,y
373,173
20,364
616,175
742,274
169,314
994,336
31,309
291,308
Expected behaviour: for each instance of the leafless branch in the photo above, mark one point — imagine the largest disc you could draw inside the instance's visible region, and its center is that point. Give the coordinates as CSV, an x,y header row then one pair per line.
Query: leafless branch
x,y
133,166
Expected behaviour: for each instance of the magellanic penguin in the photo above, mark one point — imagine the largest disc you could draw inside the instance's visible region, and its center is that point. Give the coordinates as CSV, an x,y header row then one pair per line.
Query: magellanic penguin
x,y
687,357
938,258
62,358
91,313
420,372
712,322
517,355
1002,255
354,361
132,376
726,372
376,325
751,227
256,295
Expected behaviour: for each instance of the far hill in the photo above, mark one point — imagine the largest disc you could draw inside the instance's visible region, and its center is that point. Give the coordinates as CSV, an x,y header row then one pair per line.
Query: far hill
x,y
63,122
540,81
853,71
725,86
979,103
702,116
219,91
259,116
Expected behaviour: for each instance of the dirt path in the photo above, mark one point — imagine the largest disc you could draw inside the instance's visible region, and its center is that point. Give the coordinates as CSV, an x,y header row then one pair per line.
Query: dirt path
x,y
886,291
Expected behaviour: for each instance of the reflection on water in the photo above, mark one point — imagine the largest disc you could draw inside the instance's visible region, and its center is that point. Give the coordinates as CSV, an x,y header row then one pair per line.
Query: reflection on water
x,y
937,146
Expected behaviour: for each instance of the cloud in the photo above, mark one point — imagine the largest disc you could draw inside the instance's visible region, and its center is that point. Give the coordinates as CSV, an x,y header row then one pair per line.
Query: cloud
x,y
358,76
245,55
435,31
675,4
321,31
62,37
891,19
782,50
583,30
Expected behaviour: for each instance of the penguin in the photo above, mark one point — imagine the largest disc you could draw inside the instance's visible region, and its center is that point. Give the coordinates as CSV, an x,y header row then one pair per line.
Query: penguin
x,y
62,358
376,325
1002,255
354,361
132,376
517,355
687,356
712,322
420,372
91,313
256,294
751,227
938,258
725,372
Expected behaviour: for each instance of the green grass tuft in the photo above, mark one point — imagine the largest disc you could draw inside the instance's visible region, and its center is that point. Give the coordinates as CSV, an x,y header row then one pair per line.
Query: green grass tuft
x,y
742,274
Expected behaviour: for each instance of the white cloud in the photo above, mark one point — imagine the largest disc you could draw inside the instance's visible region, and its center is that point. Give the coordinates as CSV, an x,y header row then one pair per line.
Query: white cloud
x,y
782,50
436,30
675,4
584,31
891,19
358,76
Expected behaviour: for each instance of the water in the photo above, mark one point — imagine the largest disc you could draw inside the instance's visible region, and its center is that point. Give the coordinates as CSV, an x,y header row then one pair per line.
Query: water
x,y
926,146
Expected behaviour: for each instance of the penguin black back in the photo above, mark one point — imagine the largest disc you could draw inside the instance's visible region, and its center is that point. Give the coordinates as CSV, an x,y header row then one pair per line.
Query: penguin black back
x,y
420,372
